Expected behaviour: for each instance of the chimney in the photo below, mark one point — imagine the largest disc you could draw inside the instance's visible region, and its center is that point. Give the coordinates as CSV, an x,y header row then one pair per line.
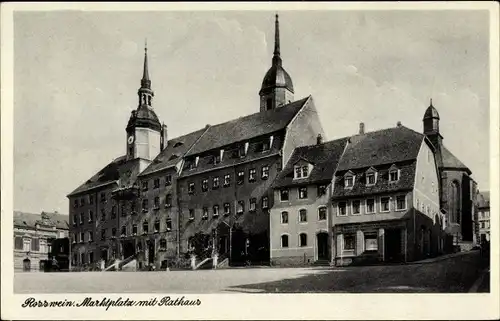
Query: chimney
x,y
163,137
361,128
398,124
319,139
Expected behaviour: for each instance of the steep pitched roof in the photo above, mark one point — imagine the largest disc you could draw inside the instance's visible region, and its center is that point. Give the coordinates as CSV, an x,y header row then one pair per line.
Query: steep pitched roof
x,y
118,171
450,160
30,220
324,158
380,147
483,199
173,153
247,127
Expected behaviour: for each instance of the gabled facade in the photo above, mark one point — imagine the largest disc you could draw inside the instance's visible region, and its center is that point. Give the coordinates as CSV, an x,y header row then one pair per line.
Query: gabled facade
x,y
300,219
483,214
385,199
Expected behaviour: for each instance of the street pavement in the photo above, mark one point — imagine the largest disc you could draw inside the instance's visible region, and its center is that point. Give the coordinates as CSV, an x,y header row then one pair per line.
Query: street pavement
x,y
452,275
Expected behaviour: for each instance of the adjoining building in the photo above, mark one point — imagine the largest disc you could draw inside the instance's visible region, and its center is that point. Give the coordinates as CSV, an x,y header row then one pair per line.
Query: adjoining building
x,y
483,213
209,188
34,236
300,220
385,199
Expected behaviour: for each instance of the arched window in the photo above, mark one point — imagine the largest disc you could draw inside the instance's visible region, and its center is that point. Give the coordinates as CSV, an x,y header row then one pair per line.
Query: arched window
x,y
284,217
322,213
455,202
303,239
284,240
302,215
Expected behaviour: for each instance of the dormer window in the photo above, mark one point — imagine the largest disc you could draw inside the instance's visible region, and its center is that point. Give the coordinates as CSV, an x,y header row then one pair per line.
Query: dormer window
x,y
349,180
394,174
145,186
216,159
301,171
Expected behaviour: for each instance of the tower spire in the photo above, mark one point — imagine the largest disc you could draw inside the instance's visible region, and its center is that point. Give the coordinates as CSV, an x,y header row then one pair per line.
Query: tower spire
x,y
145,82
276,54
431,103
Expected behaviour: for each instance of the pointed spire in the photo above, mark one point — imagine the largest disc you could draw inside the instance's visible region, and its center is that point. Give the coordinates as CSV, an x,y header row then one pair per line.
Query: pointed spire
x,y
431,103
276,54
145,82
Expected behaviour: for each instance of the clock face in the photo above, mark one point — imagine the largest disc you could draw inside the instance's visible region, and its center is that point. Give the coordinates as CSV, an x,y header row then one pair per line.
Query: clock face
x,y
130,139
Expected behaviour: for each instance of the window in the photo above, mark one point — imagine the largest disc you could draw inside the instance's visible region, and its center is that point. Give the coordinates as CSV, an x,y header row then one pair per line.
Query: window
x,y
191,188
394,175
269,106
215,183
204,185
241,206
134,229
242,150
103,197
284,217
157,202
227,180
227,208
35,244
371,242
349,181
400,202
157,226
168,223
191,214
91,216
18,243
168,180
356,207
91,199
298,172
113,211
113,232
145,205
302,193
322,213
168,200
216,159
82,202
43,246
482,225
74,219
302,216
132,207
156,183
81,218
75,204
145,227
342,209
349,242
384,204
123,231
26,245
253,204
321,190
82,237
205,213
305,171
265,202
124,211
251,174
265,146
103,234
265,172
240,177
163,245
216,210
370,179
91,237
370,206
284,194
145,186
302,239
284,241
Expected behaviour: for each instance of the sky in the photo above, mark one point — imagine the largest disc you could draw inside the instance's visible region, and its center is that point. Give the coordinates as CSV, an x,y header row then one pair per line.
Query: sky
x,y
76,76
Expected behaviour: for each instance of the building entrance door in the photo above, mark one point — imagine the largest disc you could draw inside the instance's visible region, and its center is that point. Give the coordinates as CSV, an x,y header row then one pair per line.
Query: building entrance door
x,y
26,265
393,245
322,246
151,252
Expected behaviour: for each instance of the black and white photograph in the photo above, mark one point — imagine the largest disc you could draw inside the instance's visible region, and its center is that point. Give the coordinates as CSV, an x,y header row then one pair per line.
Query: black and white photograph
x,y
291,155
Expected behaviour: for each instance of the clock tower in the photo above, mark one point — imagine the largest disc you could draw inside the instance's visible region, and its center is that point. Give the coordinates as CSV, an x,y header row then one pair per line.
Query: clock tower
x,y
144,128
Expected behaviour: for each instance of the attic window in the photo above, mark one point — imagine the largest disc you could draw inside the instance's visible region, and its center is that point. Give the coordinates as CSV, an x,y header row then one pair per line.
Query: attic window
x,y
371,179
394,174
301,171
178,144
349,180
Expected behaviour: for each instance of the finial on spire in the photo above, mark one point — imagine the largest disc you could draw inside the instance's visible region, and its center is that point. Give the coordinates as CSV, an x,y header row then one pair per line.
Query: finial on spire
x,y
146,45
276,56
145,82
431,103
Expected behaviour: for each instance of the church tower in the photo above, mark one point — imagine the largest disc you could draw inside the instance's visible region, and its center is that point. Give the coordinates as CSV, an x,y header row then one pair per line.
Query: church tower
x,y
144,128
277,86
431,126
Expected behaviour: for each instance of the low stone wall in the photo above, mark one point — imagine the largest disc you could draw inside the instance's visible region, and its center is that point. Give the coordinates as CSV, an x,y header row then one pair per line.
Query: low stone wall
x,y
292,261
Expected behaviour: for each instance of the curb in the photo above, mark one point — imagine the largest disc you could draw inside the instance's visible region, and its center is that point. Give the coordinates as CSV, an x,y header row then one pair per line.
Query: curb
x,y
441,258
479,281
